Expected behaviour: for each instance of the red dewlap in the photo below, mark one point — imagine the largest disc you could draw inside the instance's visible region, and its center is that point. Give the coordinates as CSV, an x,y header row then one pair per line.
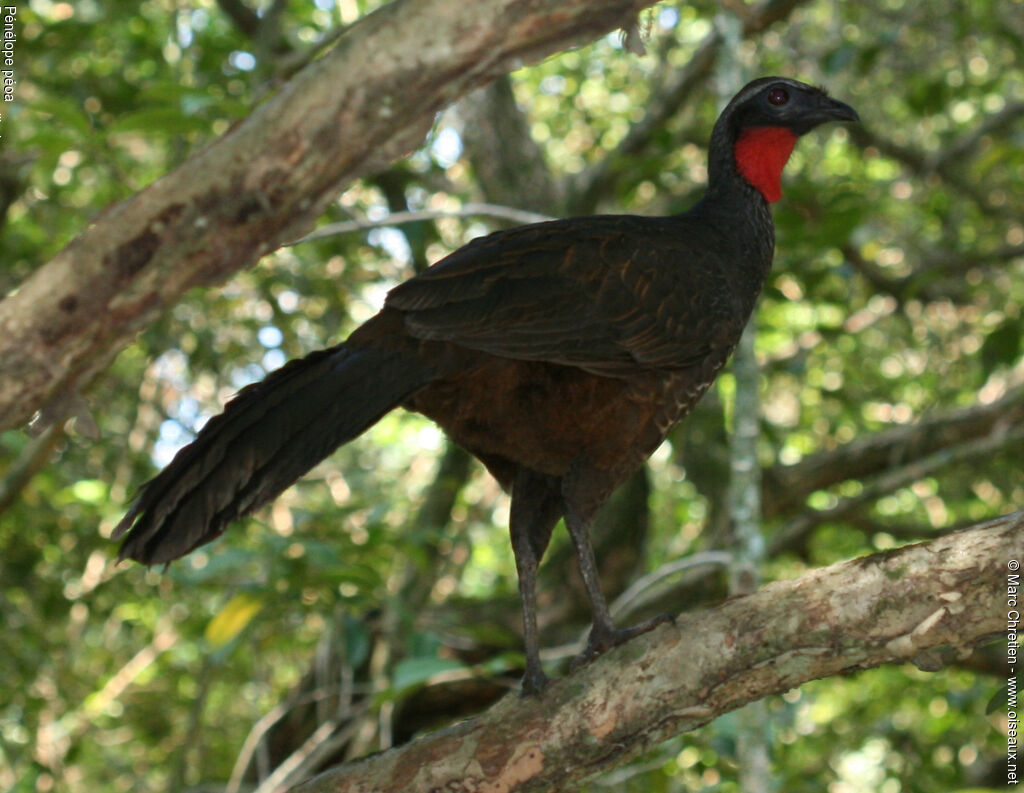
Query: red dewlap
x,y
761,154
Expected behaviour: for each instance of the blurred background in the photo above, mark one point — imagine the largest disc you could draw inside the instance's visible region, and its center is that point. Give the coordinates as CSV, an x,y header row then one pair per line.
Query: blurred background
x,y
377,598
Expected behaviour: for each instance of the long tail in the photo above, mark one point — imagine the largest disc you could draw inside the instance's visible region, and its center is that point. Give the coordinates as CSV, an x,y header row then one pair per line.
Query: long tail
x,y
266,438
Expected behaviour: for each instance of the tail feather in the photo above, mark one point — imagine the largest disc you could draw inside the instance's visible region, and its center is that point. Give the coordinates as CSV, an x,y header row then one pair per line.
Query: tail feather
x,y
266,438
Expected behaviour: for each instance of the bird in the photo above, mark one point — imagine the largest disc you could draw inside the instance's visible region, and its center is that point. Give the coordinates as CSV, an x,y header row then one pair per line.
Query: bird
x,y
559,353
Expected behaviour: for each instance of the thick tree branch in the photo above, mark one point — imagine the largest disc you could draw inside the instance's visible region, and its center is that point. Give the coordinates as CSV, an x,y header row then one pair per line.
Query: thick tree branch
x,y
925,603
369,100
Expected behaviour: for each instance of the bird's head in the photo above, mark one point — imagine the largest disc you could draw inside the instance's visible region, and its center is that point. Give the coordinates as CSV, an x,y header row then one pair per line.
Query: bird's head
x,y
761,124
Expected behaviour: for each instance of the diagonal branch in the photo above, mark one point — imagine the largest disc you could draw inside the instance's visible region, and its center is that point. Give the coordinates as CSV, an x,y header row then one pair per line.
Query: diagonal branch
x,y
366,102
795,532
786,487
471,209
968,142
33,458
921,165
244,18
921,282
925,603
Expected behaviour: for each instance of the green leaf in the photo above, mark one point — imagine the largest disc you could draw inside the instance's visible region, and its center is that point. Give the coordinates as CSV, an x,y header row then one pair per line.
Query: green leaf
x,y
165,120
233,619
65,113
1002,346
414,672
1000,701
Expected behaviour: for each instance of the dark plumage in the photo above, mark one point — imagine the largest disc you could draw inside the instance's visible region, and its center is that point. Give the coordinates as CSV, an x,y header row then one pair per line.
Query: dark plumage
x,y
558,353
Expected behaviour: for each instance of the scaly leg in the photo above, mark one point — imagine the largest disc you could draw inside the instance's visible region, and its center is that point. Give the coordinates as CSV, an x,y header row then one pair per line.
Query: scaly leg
x,y
536,507
603,635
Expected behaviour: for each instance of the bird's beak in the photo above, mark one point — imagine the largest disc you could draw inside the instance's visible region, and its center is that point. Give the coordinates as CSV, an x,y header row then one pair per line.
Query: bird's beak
x,y
821,110
834,110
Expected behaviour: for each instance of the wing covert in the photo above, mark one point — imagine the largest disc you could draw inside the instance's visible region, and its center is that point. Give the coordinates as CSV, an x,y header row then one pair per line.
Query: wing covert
x,y
610,298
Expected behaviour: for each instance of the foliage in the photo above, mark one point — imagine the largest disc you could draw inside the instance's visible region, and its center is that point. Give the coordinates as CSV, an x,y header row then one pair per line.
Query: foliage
x,y
895,296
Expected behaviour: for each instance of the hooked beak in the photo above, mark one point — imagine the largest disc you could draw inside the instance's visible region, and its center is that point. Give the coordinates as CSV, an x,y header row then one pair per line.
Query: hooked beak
x,y
839,111
822,111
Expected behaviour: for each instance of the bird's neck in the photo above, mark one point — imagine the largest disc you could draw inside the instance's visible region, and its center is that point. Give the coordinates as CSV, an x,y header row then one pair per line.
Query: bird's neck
x,y
760,154
748,161
736,206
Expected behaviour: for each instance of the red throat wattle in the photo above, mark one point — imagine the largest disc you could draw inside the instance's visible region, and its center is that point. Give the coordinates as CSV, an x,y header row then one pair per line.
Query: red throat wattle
x,y
761,154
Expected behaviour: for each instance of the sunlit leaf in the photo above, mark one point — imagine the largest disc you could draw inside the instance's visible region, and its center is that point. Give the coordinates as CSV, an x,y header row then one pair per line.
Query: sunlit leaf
x,y
412,672
233,618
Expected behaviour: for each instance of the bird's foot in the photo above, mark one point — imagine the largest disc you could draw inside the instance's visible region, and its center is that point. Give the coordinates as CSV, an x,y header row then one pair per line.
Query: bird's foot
x,y
534,680
604,637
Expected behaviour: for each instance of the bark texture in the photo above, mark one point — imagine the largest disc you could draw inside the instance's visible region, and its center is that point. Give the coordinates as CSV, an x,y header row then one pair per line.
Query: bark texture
x,y
926,604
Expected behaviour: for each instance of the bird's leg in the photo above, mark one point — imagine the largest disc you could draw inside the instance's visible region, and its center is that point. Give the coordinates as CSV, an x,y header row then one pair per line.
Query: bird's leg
x,y
603,635
535,510
534,679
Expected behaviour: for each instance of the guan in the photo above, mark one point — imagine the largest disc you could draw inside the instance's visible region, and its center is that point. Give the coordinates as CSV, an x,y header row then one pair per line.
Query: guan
x,y
560,354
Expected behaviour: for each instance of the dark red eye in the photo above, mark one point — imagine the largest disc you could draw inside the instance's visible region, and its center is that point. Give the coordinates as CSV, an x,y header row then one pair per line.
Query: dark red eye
x,y
778,96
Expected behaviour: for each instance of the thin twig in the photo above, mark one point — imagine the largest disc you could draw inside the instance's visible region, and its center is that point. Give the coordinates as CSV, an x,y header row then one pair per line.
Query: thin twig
x,y
401,218
625,601
299,764
33,458
165,638
272,717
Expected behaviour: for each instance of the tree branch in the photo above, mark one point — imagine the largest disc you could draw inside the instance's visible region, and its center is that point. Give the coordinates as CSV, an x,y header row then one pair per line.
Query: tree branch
x,y
922,165
508,163
921,283
786,487
36,454
244,18
794,532
926,603
969,141
366,102
399,218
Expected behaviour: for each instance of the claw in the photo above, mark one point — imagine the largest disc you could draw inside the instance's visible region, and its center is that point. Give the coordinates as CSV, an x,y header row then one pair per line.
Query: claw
x,y
534,682
603,637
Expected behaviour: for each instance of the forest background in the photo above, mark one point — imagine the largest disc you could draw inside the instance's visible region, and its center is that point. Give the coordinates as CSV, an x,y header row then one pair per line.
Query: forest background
x,y
382,587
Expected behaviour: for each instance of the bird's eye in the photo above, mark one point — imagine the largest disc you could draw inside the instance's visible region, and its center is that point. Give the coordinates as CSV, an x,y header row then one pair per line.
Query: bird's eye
x,y
778,96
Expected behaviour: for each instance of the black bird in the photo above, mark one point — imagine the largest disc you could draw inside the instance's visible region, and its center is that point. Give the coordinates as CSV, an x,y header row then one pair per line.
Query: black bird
x,y
559,353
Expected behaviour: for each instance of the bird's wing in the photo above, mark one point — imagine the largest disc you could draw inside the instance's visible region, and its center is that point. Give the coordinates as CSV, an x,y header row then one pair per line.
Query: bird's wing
x,y
611,295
